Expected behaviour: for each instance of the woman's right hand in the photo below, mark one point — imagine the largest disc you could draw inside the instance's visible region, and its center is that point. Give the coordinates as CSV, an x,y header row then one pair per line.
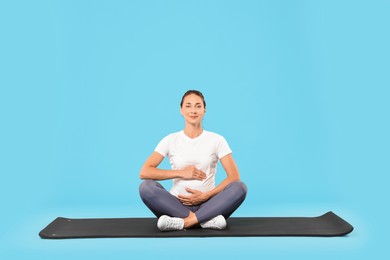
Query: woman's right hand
x,y
192,173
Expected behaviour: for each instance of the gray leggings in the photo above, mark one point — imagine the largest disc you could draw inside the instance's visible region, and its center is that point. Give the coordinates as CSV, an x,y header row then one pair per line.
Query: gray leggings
x,y
161,202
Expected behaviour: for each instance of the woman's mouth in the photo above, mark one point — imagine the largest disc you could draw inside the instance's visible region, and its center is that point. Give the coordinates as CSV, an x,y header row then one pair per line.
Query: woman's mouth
x,y
194,117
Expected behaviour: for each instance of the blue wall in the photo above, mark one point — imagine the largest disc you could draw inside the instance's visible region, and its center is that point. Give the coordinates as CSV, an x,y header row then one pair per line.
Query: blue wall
x,y
300,89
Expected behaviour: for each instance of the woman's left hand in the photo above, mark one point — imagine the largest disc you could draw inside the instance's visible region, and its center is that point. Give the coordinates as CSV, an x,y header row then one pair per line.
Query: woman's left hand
x,y
195,198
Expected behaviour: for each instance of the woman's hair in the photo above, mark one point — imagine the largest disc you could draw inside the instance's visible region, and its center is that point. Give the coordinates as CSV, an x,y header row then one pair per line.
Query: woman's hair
x,y
192,91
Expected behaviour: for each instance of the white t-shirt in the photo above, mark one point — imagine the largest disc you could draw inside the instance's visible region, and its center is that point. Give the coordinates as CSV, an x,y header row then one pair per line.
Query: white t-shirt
x,y
203,152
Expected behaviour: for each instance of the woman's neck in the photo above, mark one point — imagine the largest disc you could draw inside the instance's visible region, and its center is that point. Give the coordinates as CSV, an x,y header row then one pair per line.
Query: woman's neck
x,y
193,131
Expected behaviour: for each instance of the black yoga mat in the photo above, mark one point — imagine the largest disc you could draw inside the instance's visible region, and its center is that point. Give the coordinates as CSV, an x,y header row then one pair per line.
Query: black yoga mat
x,y
328,224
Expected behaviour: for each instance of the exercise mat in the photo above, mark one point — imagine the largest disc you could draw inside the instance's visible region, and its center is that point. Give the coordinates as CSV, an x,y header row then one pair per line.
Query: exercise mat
x,y
326,225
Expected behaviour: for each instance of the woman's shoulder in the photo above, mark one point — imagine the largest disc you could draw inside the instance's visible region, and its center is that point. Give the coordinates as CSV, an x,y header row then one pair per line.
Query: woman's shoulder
x,y
172,135
214,135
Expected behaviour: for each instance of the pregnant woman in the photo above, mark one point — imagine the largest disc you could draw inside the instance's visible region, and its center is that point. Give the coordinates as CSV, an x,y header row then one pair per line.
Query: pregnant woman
x,y
193,154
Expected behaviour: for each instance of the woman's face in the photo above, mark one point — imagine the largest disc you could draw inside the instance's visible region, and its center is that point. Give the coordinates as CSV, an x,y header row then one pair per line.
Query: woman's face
x,y
193,109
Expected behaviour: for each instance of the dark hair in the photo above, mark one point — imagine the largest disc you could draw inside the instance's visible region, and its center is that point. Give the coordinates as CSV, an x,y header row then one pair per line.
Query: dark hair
x,y
196,92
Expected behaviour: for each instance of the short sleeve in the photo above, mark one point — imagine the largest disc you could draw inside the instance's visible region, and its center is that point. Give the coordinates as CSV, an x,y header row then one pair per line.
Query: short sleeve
x,y
163,146
223,148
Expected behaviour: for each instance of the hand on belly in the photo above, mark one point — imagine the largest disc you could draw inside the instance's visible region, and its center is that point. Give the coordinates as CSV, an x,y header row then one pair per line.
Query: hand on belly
x,y
195,197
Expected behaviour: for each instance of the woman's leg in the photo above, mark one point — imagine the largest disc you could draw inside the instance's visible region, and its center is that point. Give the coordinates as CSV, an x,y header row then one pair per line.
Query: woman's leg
x,y
160,201
223,203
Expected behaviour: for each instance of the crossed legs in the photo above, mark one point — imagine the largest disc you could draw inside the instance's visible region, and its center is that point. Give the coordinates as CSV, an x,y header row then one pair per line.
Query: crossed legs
x,y
161,202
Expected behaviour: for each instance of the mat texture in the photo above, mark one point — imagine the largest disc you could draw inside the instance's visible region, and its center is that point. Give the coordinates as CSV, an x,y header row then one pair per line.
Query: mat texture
x,y
328,224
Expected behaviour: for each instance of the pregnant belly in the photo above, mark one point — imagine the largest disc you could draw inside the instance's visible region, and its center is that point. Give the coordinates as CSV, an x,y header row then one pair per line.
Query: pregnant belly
x,y
180,185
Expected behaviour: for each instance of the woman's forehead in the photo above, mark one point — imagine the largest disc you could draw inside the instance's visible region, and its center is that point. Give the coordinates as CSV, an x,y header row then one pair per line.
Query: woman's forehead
x,y
192,98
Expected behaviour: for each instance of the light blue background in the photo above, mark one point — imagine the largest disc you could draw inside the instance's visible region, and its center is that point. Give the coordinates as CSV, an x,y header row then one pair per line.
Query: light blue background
x,y
300,89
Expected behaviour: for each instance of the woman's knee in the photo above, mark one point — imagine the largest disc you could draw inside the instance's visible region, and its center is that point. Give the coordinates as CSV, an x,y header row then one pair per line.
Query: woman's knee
x,y
146,187
239,188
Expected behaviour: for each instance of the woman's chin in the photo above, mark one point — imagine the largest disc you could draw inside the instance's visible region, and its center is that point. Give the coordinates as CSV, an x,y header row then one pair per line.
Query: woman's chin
x,y
193,121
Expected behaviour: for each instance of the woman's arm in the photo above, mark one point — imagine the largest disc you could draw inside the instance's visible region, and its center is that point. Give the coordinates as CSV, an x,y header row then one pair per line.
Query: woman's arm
x,y
198,197
232,172
150,171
